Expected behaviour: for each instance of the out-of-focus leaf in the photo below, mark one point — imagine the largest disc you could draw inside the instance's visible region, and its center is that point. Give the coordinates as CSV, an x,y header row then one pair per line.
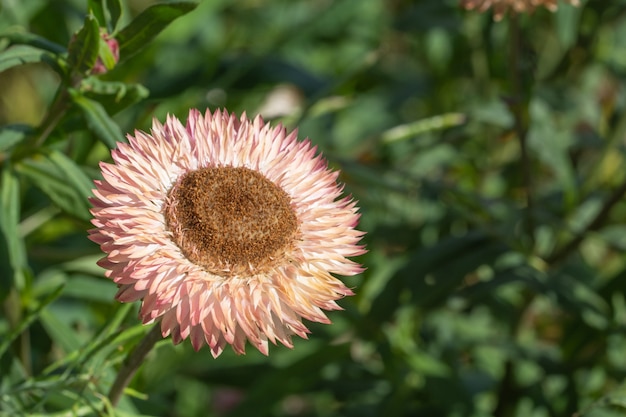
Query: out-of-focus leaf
x,y
19,13
59,331
572,286
262,396
96,8
430,273
84,265
24,54
98,120
131,334
13,134
90,289
552,145
112,95
84,46
482,291
61,179
115,11
28,319
12,251
148,25
36,41
108,338
567,21
107,12
440,282
106,55
410,130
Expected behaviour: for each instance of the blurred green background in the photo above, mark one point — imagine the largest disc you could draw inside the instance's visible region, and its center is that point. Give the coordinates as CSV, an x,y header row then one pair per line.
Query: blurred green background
x,y
488,159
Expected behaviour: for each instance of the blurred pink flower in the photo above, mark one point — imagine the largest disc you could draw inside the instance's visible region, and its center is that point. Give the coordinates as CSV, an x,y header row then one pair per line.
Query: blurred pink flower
x,y
112,49
227,229
500,7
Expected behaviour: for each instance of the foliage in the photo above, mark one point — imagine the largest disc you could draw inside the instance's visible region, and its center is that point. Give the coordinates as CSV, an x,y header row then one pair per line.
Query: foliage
x,y
487,157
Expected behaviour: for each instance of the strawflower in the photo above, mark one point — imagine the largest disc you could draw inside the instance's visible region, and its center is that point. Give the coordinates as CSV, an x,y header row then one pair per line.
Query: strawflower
x,y
227,229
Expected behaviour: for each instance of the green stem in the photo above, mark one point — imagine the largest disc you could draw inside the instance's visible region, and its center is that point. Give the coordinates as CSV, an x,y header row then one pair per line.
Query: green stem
x,y
133,362
54,116
519,110
12,307
508,391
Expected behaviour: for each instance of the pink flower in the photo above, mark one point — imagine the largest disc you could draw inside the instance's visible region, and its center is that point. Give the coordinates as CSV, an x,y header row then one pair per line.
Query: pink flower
x,y
227,229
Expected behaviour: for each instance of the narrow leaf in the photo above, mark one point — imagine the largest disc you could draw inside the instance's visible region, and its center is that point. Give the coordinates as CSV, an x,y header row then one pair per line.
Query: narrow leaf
x,y
115,11
61,179
83,48
90,289
95,8
410,130
59,331
106,55
30,317
13,134
30,39
23,54
469,251
148,25
98,120
12,251
114,96
101,341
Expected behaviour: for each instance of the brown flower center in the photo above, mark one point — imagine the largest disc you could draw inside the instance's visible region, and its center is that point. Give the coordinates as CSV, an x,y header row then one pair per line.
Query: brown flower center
x,y
230,220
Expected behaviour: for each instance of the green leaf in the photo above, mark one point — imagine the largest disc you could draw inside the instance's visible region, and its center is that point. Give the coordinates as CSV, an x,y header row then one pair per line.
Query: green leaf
x,y
30,39
115,11
98,120
106,55
89,288
30,317
84,265
107,12
13,134
12,251
105,338
61,179
23,54
148,25
95,8
430,274
84,46
262,397
114,96
410,130
59,331
552,145
442,279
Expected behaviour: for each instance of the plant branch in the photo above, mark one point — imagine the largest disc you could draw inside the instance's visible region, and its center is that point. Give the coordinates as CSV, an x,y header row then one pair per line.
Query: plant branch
x,y
133,362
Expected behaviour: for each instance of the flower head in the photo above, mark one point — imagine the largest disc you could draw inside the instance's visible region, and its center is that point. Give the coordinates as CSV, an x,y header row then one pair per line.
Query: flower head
x,y
500,7
227,229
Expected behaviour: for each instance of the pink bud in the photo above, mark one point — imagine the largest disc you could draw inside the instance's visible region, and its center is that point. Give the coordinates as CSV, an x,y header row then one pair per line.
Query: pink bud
x,y
114,48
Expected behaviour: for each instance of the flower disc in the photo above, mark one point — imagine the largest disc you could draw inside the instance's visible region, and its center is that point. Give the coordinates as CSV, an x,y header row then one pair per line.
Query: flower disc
x,y
227,216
